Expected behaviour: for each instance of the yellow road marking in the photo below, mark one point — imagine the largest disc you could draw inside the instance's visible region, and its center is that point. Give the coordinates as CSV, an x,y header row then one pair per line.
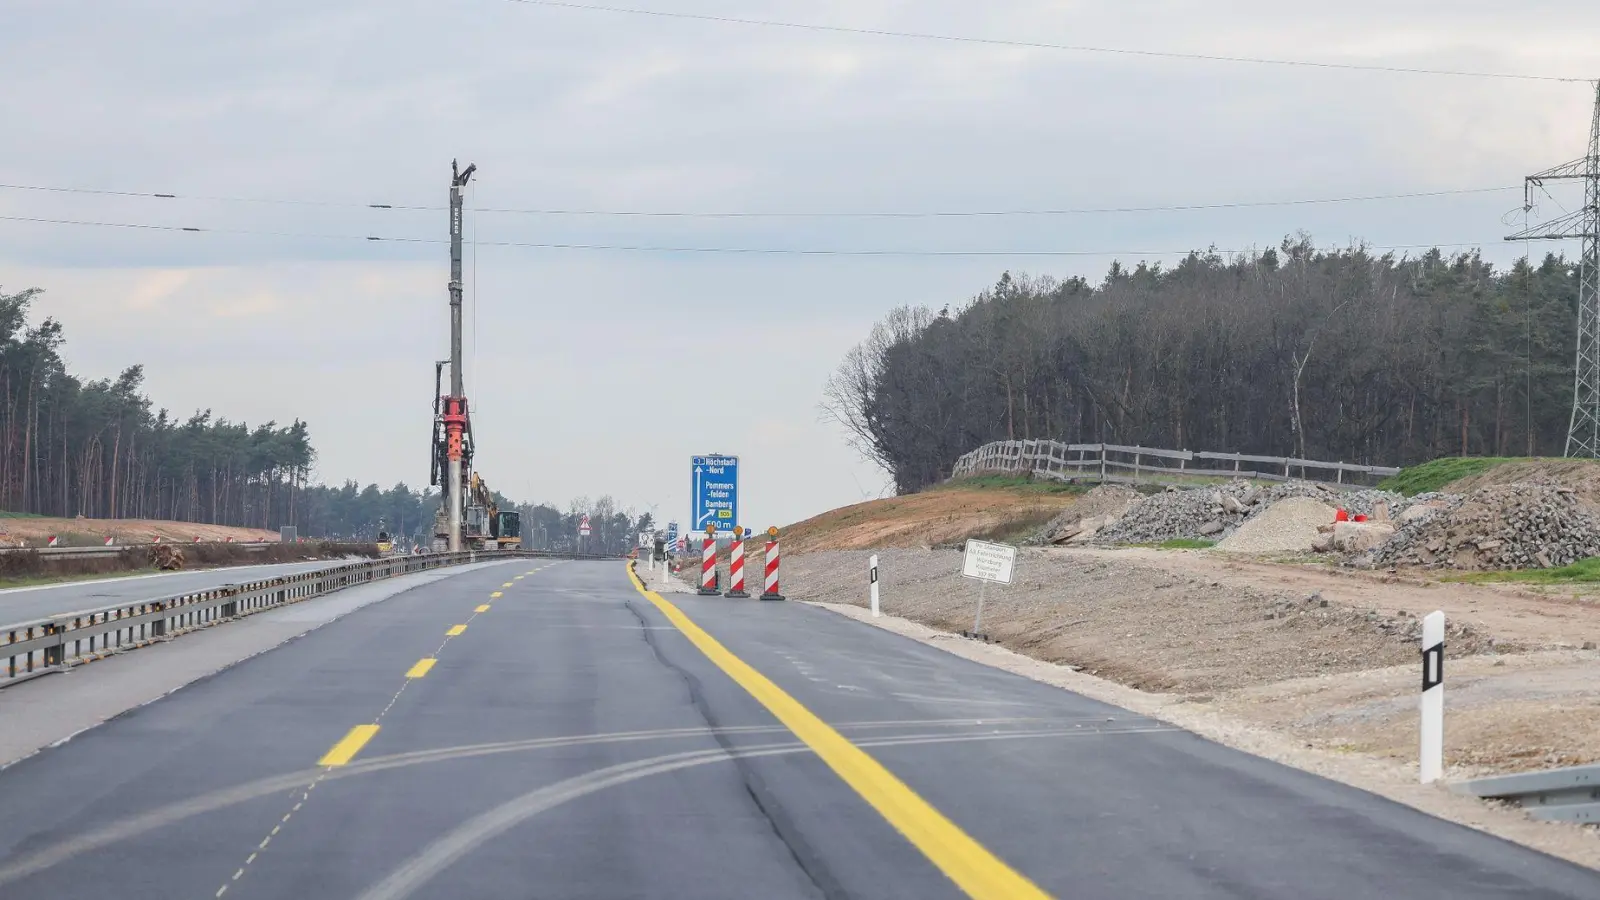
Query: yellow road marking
x,y
421,668
346,750
519,578
507,584
483,608
496,595
455,630
979,873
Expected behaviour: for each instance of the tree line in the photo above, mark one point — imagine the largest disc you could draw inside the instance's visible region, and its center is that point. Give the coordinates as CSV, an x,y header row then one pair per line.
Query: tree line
x,y
71,447
102,449
1340,355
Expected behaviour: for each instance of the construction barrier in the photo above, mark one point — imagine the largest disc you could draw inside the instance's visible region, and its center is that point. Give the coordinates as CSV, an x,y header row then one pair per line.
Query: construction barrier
x,y
771,592
736,566
708,567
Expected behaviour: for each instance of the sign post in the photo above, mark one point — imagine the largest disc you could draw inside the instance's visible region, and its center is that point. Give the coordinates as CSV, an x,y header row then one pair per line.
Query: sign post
x,y
872,579
714,491
986,562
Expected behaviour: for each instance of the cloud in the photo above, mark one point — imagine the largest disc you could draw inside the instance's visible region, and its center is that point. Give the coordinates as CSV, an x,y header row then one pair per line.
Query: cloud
x,y
598,372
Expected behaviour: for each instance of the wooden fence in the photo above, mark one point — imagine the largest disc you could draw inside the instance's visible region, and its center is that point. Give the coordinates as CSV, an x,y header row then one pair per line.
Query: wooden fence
x,y
1111,462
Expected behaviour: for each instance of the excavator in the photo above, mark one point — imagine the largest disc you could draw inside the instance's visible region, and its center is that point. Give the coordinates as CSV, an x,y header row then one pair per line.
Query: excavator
x,y
484,526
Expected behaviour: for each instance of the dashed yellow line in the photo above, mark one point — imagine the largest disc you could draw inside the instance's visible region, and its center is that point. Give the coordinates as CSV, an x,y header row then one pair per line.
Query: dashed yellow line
x,y
482,609
506,585
345,750
978,872
455,630
422,667
496,595
519,578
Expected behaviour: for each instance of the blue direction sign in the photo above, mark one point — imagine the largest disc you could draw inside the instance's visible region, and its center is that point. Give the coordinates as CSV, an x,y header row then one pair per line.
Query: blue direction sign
x,y
672,532
714,487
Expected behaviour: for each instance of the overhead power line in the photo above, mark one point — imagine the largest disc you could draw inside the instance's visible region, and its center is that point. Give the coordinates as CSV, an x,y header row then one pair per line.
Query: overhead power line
x,y
1040,45
637,248
682,214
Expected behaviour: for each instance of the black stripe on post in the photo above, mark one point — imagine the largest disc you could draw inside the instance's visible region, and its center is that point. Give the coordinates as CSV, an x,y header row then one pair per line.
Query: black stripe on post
x,y
874,575
1432,666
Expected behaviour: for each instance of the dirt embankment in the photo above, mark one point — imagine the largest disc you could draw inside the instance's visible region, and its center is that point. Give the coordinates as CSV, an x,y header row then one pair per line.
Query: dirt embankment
x,y
942,516
36,531
1581,475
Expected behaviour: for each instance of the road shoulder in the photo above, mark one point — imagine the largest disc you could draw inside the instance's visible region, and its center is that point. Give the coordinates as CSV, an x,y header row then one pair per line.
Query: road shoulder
x,y
1396,783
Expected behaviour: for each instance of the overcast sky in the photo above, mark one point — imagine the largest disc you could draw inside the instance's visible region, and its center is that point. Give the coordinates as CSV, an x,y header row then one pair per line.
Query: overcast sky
x,y
602,371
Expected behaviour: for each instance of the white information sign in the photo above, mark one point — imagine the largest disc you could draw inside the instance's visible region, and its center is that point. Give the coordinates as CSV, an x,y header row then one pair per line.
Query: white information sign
x,y
989,562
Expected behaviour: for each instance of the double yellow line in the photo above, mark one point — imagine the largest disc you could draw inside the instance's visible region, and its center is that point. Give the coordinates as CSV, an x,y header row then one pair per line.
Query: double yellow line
x,y
978,872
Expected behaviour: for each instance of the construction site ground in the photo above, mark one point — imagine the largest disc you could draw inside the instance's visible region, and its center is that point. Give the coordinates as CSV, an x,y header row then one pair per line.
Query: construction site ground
x,y
35,531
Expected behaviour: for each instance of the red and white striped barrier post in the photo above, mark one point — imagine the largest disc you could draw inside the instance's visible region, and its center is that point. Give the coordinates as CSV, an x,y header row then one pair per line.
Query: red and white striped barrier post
x,y
709,564
110,541
53,541
736,566
157,540
197,539
771,591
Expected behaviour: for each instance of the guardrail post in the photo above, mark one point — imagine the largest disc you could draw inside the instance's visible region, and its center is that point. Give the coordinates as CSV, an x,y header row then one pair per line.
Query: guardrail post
x,y
52,654
158,626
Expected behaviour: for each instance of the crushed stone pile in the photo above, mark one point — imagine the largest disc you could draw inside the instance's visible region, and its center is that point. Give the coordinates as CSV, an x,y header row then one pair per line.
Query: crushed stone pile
x,y
1213,513
1287,526
1100,506
1513,526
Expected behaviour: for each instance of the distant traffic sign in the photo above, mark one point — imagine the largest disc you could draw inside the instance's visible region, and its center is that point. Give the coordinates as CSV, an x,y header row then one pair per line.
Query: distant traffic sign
x,y
583,527
672,532
714,487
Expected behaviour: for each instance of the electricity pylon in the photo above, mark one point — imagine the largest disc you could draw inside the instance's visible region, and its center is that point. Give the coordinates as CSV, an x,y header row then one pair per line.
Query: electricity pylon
x,y
1583,431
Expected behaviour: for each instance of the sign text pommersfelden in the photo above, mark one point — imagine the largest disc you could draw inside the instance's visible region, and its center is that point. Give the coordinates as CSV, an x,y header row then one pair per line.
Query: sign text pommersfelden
x,y
989,562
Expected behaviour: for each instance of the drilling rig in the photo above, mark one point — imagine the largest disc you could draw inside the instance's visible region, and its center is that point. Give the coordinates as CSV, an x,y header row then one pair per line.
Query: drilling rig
x,y
468,517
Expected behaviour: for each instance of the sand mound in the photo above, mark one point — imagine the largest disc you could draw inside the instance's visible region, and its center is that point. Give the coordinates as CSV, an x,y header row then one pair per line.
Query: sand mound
x,y
1288,526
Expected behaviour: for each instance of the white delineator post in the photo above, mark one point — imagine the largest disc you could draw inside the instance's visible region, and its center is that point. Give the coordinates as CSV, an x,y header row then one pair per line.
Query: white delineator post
x,y
872,579
1431,765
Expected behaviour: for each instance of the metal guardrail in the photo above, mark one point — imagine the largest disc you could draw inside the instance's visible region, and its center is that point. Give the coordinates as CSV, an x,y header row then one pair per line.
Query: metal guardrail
x,y
40,646
1556,795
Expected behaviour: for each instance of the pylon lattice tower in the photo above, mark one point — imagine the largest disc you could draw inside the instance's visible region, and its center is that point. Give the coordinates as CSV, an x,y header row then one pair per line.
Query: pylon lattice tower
x,y
1583,431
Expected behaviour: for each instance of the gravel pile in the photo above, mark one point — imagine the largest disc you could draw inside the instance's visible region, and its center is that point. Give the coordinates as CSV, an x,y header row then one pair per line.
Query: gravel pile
x,y
1214,513
1287,526
1105,503
1515,526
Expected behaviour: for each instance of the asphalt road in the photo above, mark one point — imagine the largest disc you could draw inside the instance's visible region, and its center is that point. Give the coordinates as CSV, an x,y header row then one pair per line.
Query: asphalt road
x,y
24,604
576,741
